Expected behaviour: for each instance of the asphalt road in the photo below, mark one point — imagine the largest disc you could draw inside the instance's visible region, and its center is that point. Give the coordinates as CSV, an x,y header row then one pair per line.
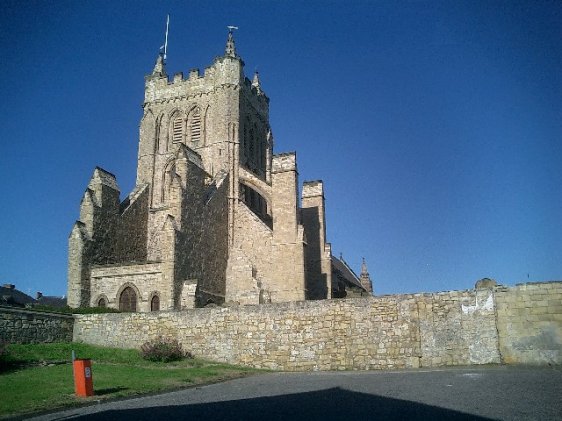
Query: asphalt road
x,y
473,393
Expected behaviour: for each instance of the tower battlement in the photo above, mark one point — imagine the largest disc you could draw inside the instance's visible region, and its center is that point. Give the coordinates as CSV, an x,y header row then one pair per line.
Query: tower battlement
x,y
226,72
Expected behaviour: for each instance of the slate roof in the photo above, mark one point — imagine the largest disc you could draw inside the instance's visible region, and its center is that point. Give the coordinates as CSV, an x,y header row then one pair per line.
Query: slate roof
x,y
51,301
343,271
10,296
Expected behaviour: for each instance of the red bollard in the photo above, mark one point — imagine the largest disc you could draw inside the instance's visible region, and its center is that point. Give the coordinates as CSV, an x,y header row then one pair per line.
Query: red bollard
x,y
83,381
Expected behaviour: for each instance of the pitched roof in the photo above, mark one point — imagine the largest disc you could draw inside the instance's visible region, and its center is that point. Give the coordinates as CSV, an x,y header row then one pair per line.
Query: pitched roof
x,y
51,301
10,296
340,267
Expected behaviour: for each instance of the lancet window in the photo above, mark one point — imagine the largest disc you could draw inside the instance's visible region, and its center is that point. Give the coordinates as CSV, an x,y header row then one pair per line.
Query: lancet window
x,y
177,129
195,125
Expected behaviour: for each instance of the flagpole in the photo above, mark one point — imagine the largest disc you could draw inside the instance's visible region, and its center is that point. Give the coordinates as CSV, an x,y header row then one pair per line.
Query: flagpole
x,y
166,41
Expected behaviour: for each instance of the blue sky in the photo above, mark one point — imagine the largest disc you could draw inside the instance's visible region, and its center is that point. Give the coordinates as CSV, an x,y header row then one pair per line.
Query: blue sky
x,y
436,126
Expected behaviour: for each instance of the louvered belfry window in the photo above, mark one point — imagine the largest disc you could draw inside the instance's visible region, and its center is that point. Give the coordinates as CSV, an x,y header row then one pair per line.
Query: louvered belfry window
x,y
177,129
196,125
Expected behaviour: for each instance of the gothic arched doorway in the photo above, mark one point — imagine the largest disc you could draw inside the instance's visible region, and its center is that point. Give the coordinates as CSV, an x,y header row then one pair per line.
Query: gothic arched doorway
x,y
128,300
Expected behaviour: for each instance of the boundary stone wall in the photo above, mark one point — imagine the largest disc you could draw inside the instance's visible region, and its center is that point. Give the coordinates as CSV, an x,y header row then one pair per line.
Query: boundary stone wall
x,y
25,326
513,325
529,320
395,331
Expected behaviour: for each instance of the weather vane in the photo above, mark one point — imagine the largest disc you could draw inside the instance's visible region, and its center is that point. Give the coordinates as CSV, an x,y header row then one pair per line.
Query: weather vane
x,y
230,28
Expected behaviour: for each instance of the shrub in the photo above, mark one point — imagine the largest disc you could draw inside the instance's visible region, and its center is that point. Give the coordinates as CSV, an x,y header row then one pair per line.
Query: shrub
x,y
69,310
163,350
94,310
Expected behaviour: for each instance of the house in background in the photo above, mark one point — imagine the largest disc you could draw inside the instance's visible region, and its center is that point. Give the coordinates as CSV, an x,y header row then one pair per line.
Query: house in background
x,y
10,296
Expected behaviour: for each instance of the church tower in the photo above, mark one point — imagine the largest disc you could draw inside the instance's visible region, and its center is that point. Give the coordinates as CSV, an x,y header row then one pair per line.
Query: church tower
x,y
219,122
215,215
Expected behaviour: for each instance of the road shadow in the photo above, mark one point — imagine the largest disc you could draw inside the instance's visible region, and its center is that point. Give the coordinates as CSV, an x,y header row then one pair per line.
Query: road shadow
x,y
329,404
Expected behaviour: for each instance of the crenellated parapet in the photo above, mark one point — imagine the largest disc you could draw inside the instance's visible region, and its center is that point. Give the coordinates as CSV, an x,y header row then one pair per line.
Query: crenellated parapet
x,y
224,73
312,189
284,162
256,99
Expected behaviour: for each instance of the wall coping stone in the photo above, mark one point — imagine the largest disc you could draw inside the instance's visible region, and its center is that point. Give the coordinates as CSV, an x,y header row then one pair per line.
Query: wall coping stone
x,y
10,309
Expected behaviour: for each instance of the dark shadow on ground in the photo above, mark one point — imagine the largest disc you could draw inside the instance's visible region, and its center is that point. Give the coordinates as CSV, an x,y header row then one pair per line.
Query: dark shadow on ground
x,y
107,391
329,404
12,365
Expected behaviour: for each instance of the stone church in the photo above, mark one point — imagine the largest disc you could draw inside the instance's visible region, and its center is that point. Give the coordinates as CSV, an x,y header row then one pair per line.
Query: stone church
x,y
215,217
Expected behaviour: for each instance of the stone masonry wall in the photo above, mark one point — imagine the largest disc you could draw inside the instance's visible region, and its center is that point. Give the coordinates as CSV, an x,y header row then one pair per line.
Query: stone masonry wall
x,y
401,331
132,234
530,323
288,233
25,326
145,279
322,335
318,262
397,331
254,239
457,328
212,282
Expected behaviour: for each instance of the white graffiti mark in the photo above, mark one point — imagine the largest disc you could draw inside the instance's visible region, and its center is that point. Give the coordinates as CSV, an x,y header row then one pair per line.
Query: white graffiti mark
x,y
487,305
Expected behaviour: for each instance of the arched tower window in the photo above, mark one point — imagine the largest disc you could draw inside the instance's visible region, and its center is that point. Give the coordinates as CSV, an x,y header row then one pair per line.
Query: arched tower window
x,y
102,302
195,125
155,303
177,129
128,300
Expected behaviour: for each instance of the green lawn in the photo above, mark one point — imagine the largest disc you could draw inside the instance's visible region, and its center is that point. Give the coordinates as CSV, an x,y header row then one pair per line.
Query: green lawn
x,y
39,377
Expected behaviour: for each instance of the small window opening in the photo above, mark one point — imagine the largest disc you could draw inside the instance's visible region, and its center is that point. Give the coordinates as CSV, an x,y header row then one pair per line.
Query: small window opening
x,y
177,130
155,303
196,126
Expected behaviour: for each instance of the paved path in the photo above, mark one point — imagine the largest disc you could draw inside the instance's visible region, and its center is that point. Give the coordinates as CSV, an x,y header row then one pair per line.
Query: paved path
x,y
508,393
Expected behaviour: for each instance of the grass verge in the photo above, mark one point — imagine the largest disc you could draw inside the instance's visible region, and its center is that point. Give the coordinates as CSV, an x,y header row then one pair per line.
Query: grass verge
x,y
38,377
